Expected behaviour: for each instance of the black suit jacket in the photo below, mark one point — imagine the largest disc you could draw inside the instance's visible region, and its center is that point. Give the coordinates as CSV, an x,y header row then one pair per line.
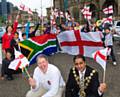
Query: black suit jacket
x,y
14,44
72,88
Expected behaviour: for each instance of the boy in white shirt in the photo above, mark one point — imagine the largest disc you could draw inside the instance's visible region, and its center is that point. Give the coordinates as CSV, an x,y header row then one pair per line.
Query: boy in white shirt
x,y
109,43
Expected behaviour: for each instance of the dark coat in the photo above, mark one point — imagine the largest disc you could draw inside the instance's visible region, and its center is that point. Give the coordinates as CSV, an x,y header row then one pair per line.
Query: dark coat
x,y
72,88
14,44
5,69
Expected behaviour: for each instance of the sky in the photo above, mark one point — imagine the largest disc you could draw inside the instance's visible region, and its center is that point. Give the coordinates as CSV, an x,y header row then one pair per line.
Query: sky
x,y
34,4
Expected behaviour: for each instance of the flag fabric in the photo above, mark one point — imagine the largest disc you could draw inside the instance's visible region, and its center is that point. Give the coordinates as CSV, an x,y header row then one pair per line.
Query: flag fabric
x,y
108,10
75,42
20,61
100,57
22,7
25,8
86,12
44,44
88,15
85,9
107,20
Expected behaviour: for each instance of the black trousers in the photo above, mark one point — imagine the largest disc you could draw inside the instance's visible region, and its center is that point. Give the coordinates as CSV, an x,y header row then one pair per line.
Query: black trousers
x,y
6,70
112,53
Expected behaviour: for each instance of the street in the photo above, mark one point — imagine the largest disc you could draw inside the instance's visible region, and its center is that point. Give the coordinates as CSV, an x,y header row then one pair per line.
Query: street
x,y
19,86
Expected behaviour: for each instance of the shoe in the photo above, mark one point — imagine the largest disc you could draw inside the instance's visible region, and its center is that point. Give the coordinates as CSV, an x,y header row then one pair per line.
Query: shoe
x,y
2,78
114,63
9,78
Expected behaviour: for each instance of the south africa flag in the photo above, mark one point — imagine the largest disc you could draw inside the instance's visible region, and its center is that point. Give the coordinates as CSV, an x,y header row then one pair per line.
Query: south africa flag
x,y
44,44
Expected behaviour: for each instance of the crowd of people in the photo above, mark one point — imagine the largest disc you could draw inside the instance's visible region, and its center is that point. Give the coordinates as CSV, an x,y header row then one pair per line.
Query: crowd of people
x,y
47,81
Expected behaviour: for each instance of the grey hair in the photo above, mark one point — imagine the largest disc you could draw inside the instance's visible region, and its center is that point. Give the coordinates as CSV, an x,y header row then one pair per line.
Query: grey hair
x,y
41,56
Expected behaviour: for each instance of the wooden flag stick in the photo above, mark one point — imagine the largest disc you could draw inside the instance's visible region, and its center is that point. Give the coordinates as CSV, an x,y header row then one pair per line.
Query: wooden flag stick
x,y
27,72
104,73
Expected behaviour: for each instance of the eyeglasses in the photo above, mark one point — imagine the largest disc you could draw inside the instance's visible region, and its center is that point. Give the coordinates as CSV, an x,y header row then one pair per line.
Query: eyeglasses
x,y
79,63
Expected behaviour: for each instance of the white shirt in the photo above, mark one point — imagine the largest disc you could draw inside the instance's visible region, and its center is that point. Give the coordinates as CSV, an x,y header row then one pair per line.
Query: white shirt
x,y
20,36
80,73
108,39
51,80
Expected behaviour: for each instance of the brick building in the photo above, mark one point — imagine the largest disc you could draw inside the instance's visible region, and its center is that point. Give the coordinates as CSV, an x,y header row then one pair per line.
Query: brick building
x,y
96,6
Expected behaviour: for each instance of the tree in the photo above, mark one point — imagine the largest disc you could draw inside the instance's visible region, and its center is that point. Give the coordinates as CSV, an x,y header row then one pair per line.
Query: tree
x,y
2,20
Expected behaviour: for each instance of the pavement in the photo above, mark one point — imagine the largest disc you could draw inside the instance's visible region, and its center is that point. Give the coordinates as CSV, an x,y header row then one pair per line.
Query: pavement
x,y
19,86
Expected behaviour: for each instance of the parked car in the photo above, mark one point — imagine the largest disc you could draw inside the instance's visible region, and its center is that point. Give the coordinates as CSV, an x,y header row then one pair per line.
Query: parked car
x,y
2,31
116,26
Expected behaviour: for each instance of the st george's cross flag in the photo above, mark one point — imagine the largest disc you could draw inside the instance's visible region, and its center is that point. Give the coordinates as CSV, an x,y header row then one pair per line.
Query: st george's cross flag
x,y
85,9
25,8
88,15
107,20
86,12
20,61
22,7
108,10
100,57
75,42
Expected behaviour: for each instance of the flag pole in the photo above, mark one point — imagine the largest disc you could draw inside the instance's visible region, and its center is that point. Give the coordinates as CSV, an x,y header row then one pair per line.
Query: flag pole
x,y
41,18
51,15
27,72
104,73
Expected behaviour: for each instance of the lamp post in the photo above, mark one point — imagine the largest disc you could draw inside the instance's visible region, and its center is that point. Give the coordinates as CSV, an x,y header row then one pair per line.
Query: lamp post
x,y
41,19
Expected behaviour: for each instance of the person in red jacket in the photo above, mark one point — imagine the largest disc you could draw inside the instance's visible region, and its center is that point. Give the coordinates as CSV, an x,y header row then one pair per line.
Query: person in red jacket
x,y
8,36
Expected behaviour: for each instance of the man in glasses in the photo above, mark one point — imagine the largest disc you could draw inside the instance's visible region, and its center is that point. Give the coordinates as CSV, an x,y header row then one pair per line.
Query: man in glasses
x,y
83,80
47,80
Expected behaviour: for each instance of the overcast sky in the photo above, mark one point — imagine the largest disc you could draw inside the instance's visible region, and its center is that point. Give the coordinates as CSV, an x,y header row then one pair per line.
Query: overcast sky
x,y
34,4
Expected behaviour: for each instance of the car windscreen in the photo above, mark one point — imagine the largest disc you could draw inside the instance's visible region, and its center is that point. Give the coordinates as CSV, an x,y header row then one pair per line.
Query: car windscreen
x,y
118,23
1,30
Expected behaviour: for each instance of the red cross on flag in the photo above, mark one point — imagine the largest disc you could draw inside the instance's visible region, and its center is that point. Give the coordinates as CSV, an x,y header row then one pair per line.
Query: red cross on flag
x,y
107,20
25,8
20,61
85,9
100,57
75,42
88,15
86,12
108,10
22,7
